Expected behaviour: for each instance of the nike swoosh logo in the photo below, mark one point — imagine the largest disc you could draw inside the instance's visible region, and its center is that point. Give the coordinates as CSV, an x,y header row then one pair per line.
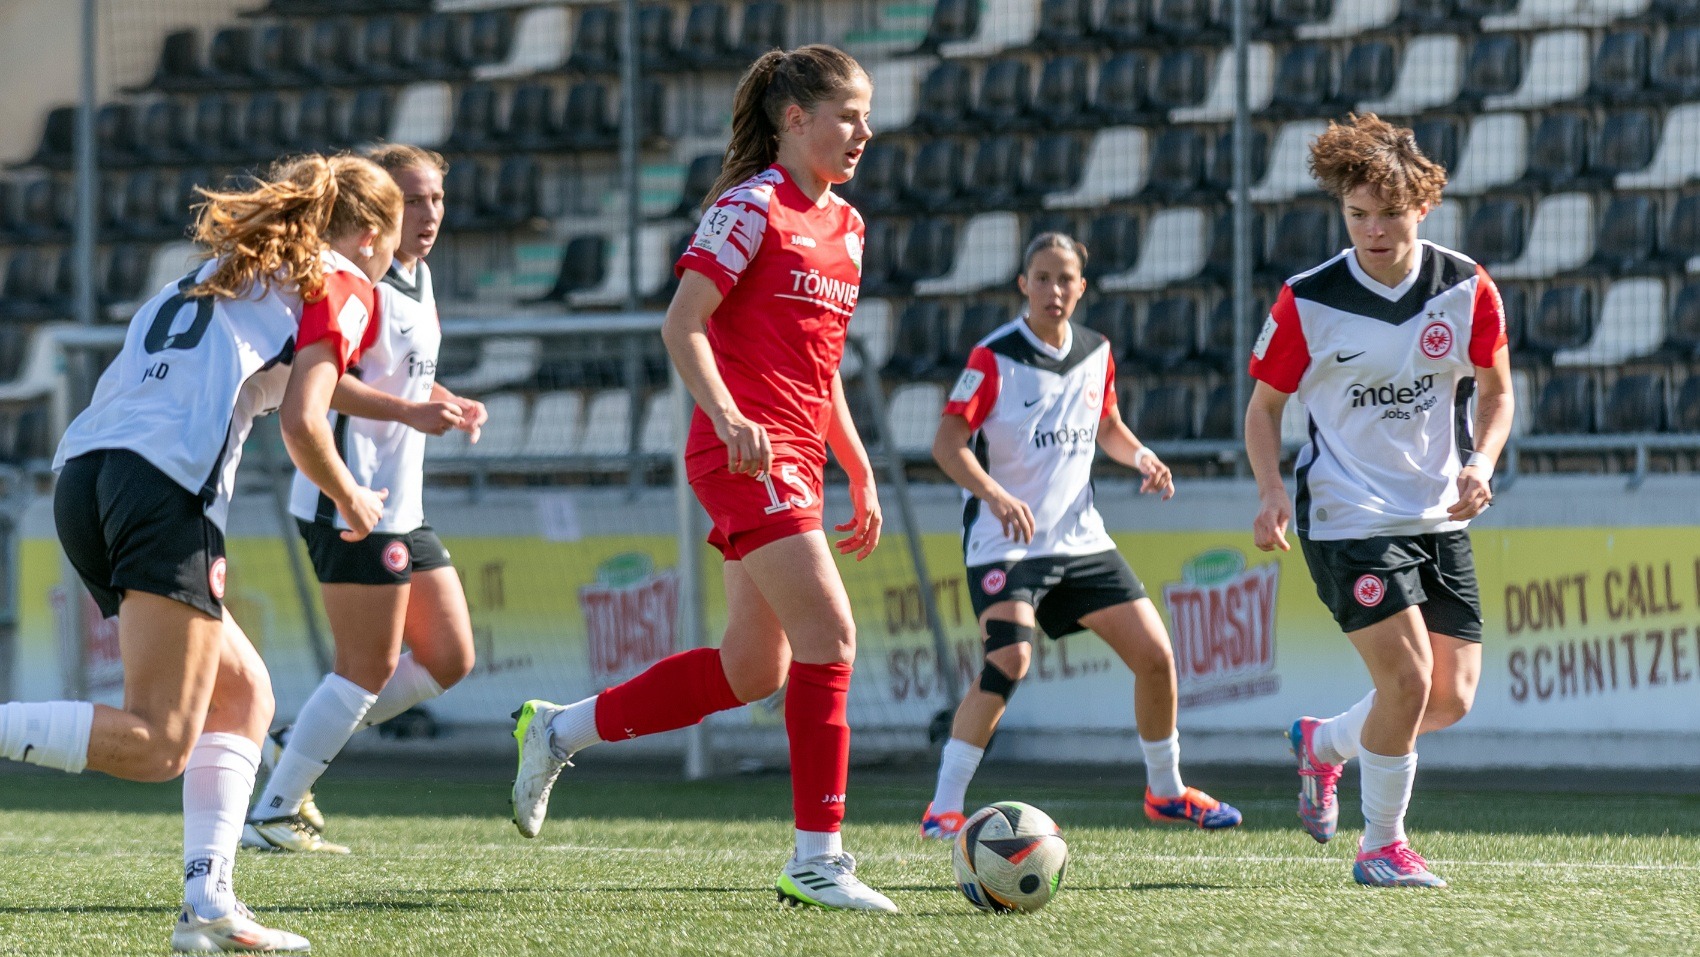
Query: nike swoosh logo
x,y
406,332
1029,403
1342,357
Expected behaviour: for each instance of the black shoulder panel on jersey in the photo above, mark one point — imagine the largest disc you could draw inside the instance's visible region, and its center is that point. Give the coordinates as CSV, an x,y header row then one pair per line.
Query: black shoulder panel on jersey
x,y
1336,288
1013,345
412,290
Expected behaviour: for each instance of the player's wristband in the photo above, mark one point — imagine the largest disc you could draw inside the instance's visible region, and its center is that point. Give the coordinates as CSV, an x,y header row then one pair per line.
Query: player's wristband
x,y
1480,462
1143,454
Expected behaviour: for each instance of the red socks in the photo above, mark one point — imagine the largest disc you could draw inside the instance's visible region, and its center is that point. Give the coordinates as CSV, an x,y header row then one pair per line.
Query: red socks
x,y
819,732
675,692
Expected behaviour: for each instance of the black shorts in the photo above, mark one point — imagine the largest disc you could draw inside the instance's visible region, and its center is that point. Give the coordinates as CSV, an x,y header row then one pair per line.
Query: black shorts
x,y
1366,580
381,558
125,525
1061,588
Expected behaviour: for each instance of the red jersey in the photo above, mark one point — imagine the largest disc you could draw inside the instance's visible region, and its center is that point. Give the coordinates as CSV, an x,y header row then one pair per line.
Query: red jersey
x,y
790,271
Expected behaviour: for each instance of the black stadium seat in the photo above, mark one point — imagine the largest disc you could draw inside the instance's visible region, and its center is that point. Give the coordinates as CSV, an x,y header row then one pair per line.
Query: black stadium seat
x,y
1061,101
115,134
928,251
1628,236
1626,143
881,176
384,55
707,41
1676,72
978,321
476,118
943,106
517,200
1682,238
1113,318
1169,335
126,274
656,50
1425,16
531,117
1438,138
1304,236
952,20
918,340
582,265
1566,405
585,124
1063,24
280,55
1368,73
881,250
1058,162
938,176
1181,20
230,58
332,56
1122,94
1124,22
1287,14
1304,81
161,138
57,138
764,28
486,39
1494,67
265,129
464,189
1219,261
1221,414
179,62
1181,80
1558,152
1112,241
1168,412
995,182
1219,175
370,115
1688,406
1176,163
1563,320
317,124
596,41
1514,298
1218,349
1636,403
1005,95
217,136
1621,67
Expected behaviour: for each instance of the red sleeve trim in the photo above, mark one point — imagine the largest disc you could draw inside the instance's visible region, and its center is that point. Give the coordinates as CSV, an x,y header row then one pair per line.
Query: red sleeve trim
x,y
1281,354
976,390
344,314
1109,386
1487,321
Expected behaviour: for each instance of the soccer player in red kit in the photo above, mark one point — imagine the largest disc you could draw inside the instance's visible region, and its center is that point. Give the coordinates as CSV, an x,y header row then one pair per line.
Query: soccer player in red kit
x,y
757,326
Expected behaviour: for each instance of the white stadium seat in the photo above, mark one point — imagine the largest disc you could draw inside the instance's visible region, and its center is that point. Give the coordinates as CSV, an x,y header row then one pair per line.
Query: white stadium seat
x,y
655,266
988,255
658,436
872,326
1174,248
1218,105
1444,225
1431,74
1678,157
1115,169
1632,324
1289,159
542,40
1561,238
450,446
501,362
913,413
898,83
608,424
424,114
557,425
1495,152
1558,71
504,435
1351,19
1003,24
1536,14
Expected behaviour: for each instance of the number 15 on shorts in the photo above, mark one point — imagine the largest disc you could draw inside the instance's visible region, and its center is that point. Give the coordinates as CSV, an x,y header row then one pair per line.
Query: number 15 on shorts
x,y
788,475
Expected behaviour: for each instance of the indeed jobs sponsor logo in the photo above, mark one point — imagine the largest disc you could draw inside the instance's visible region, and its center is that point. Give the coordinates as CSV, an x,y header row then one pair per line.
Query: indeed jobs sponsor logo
x,y
629,616
1396,400
1222,615
1066,439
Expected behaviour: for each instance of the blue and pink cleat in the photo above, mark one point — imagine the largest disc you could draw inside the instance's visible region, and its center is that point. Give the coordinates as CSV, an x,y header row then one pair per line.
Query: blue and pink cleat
x,y
1192,807
1394,865
1319,803
943,826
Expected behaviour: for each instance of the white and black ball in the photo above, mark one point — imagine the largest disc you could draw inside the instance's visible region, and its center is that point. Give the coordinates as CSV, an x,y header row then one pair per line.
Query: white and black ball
x,y
1009,857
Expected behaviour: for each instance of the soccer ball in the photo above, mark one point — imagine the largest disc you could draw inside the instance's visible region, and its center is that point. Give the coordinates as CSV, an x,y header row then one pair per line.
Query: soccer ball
x,y
1009,857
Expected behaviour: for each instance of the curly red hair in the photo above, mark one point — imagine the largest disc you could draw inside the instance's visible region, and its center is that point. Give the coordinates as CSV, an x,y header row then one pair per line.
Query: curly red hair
x,y
1366,150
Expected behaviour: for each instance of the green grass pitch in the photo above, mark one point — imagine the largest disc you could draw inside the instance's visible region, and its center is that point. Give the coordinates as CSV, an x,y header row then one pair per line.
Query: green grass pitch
x,y
635,862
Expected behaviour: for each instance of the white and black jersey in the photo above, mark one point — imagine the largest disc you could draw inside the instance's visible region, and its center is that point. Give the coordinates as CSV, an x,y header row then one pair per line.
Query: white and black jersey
x,y
1386,376
402,361
1035,412
196,371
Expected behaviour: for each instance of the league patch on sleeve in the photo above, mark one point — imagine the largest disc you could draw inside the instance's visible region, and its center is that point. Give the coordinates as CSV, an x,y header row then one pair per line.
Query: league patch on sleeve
x,y
716,226
1264,337
967,385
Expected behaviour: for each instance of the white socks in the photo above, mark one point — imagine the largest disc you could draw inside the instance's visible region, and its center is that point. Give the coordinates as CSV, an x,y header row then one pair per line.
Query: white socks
x,y
1338,740
811,844
1387,793
956,768
326,722
53,734
574,729
216,785
1163,766
410,685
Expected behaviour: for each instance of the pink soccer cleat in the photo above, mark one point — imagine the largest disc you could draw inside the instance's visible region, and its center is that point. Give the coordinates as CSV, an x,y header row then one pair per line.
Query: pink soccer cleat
x,y
1395,865
1319,803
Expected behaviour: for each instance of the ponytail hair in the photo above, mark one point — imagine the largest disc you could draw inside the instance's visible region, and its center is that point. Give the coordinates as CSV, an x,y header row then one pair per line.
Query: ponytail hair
x,y
277,231
777,79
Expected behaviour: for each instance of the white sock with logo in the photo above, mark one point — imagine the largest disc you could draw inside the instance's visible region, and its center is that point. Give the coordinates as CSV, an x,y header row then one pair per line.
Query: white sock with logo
x,y
410,685
53,734
812,844
1163,766
1387,782
326,722
217,783
574,729
957,765
1340,738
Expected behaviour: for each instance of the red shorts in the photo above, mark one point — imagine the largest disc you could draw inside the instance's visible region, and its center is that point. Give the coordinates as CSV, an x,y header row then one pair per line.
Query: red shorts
x,y
748,512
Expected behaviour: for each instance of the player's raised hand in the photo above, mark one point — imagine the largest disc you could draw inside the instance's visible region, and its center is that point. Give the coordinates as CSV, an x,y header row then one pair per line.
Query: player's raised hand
x,y
435,417
865,521
748,451
1156,476
362,512
1013,514
1269,528
1474,495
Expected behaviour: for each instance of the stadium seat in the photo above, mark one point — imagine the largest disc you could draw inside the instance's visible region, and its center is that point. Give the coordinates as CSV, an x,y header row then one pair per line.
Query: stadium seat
x,y
585,124
265,130
989,257
1429,16
1367,74
1566,405
1005,95
1169,335
1682,238
1631,325
124,280
115,134
1217,105
1304,81
1221,414
1113,318
943,105
979,320
1564,319
1219,175
596,41
503,436
1677,159
1181,20
1687,417
1113,242
1168,412
183,194
1636,404
477,116
1476,9
1538,14
929,249
230,58
1558,152
161,134
1430,75
1003,25
1063,24
1494,68
384,54
1176,166
1061,101
913,411
1495,154
1628,236
1217,350
1172,250
1626,143
918,341
503,362
1289,169
1561,237
607,425
180,65
658,436
370,115
1345,19
764,27
1124,23
879,184
1305,236
1438,137
332,57
1179,80
1514,299
880,256
518,196
1287,14
217,136
707,41
656,48
1058,162
953,21
583,261
140,213
1115,168
1676,72
556,428
1219,260
531,118
998,172
1122,95
1621,70
1557,73
317,125
27,285
655,266
872,327
939,175
1444,225
486,39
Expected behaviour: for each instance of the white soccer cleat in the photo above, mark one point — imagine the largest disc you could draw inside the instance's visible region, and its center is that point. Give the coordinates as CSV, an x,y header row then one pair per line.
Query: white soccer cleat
x,y
538,765
829,882
238,932
291,833
270,751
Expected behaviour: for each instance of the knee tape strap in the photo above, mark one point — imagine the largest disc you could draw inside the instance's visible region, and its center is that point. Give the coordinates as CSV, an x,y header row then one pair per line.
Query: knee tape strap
x,y
1002,634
